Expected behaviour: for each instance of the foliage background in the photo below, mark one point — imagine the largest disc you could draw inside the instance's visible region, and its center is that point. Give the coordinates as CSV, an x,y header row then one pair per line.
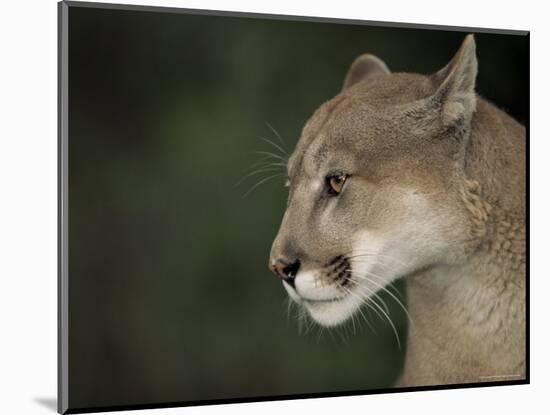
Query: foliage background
x,y
170,295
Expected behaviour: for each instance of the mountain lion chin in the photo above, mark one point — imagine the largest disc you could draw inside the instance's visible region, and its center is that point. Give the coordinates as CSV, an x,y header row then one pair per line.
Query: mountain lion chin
x,y
331,313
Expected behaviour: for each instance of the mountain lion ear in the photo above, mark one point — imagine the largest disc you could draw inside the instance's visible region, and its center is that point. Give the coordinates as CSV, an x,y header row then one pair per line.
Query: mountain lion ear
x,y
365,67
455,94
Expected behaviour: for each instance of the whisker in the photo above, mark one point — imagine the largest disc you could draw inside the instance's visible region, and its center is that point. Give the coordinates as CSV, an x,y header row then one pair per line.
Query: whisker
x,y
387,291
367,302
310,325
320,333
341,330
348,291
273,155
267,164
390,321
353,323
261,160
375,294
278,147
261,182
382,280
255,172
388,284
302,319
276,134
289,304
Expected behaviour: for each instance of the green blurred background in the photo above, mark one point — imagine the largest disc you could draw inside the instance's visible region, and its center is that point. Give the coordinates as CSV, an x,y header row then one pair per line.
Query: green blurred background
x,y
170,295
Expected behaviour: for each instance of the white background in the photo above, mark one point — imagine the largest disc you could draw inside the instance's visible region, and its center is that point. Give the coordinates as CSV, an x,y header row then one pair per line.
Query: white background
x,y
28,157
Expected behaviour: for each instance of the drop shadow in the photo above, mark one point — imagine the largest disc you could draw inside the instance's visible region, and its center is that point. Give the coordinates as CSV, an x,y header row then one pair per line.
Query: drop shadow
x,y
48,403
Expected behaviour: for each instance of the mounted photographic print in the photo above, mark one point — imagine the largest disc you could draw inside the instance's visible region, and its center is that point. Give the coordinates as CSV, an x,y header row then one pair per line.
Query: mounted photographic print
x,y
257,207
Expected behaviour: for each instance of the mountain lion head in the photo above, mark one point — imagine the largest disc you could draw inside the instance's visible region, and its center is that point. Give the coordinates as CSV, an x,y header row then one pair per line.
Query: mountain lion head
x,y
377,188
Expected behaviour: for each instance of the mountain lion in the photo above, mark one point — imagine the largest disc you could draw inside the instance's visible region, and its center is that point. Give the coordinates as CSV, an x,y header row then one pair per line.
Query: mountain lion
x,y
410,176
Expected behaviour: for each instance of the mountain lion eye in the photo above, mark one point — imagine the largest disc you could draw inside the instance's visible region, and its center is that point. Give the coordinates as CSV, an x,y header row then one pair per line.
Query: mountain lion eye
x,y
336,183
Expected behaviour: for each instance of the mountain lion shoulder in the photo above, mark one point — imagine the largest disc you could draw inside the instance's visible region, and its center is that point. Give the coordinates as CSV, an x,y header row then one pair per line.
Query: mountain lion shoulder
x,y
410,176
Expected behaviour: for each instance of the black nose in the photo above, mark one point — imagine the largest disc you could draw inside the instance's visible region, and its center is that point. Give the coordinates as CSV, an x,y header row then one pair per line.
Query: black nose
x,y
287,271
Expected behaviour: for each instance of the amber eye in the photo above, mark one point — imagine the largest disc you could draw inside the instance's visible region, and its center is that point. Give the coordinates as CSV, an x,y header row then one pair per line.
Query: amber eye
x,y
336,183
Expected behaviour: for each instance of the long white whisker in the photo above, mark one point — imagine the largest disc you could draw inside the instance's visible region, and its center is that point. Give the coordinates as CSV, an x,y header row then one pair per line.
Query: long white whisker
x,y
276,134
348,291
255,172
260,182
361,277
278,147
382,280
288,308
367,301
375,294
390,284
302,319
282,166
387,317
261,160
276,156
320,333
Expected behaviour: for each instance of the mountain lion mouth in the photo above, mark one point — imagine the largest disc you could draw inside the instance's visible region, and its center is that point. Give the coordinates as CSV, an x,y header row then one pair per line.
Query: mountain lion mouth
x,y
327,301
304,299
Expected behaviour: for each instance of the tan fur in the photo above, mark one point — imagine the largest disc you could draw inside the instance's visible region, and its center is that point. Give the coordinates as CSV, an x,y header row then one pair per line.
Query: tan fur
x,y
469,320
436,180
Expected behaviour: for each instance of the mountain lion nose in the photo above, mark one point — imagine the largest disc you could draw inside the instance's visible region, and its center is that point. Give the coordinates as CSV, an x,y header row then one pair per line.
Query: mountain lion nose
x,y
287,271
